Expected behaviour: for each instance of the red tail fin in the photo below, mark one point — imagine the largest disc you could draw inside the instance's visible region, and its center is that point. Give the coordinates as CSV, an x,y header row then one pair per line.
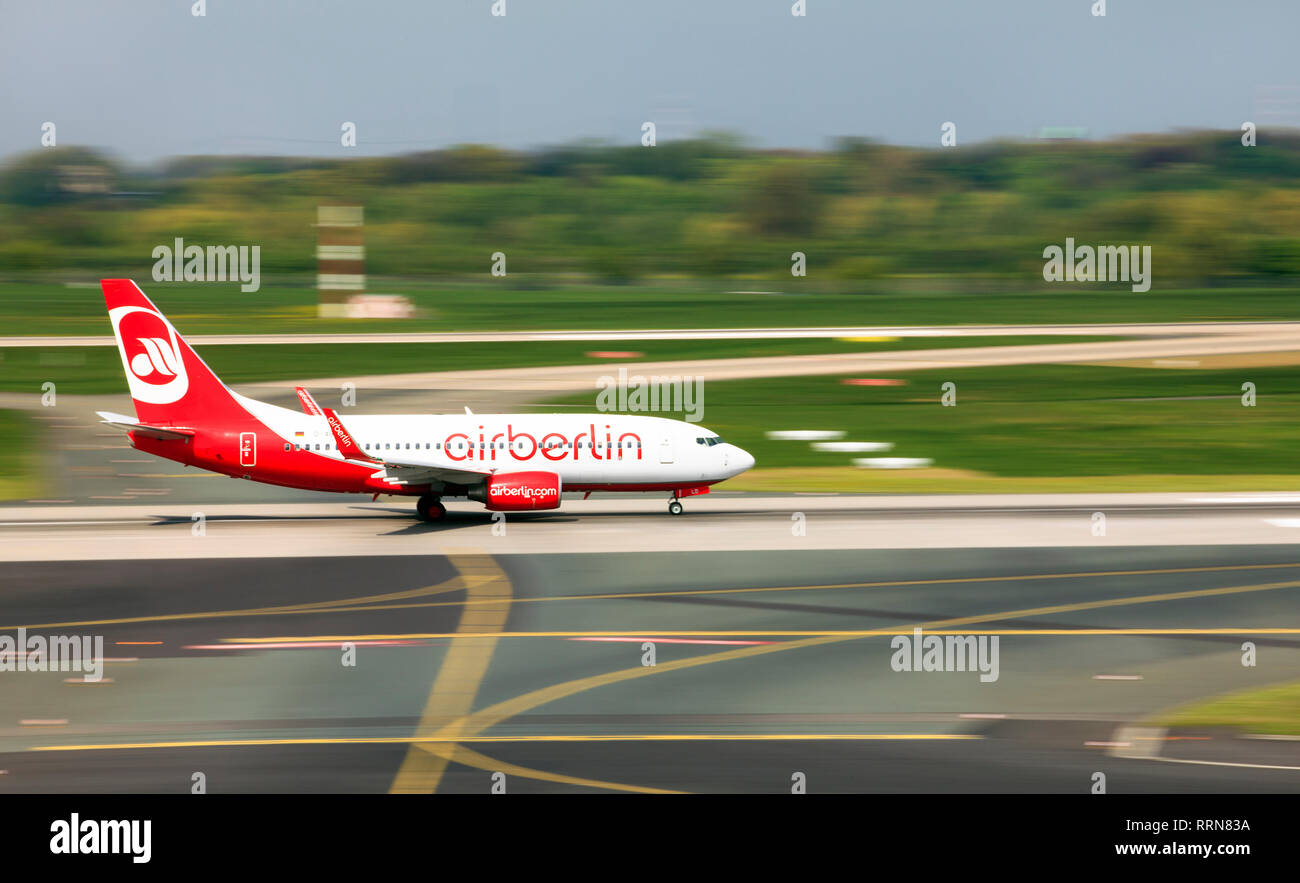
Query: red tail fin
x,y
169,383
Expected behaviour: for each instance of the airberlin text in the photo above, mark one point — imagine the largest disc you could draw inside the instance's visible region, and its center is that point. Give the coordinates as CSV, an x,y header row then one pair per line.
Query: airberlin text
x,y
553,446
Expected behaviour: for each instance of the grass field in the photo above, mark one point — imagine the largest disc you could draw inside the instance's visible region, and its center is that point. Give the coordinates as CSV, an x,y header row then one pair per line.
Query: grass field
x,y
852,480
89,370
1273,710
45,308
1033,423
18,470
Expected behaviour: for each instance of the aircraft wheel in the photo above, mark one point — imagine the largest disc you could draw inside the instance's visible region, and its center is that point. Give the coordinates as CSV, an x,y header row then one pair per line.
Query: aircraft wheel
x,y
674,508
430,508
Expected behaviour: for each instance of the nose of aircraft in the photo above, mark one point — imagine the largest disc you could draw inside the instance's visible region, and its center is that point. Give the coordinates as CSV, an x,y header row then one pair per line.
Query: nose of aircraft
x,y
740,459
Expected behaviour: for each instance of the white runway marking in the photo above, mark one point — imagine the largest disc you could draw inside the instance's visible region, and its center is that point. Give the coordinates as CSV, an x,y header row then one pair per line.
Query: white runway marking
x,y
1253,766
152,528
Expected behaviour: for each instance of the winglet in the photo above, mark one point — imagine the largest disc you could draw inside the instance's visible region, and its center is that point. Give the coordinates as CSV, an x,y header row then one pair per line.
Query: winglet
x,y
348,446
308,403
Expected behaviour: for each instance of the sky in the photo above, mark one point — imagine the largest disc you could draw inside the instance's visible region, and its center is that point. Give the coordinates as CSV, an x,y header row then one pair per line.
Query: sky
x,y
146,79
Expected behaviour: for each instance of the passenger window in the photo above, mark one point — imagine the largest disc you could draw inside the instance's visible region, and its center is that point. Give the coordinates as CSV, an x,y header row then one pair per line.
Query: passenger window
x,y
286,446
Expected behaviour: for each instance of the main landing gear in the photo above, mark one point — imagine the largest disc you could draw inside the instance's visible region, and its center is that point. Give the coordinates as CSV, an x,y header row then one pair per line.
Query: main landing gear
x,y
430,508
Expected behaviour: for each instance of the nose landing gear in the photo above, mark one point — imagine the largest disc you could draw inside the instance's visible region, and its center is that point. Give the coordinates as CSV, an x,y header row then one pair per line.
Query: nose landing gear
x,y
430,508
674,507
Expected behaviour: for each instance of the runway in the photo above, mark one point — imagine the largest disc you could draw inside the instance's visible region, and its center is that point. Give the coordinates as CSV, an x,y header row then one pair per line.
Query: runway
x,y
524,654
1211,342
716,522
1143,329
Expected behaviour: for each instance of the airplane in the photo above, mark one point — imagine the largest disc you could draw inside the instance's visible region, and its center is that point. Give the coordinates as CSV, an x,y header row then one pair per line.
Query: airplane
x,y
508,462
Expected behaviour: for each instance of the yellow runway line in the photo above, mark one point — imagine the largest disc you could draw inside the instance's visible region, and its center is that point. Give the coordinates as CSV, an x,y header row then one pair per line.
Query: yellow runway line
x,y
560,738
484,719
651,634
463,668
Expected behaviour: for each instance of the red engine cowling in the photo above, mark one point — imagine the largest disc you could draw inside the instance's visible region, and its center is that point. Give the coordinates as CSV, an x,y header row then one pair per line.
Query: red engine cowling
x,y
519,492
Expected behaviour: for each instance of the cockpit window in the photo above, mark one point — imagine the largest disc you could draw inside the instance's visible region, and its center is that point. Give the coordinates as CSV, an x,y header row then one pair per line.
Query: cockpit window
x,y
714,440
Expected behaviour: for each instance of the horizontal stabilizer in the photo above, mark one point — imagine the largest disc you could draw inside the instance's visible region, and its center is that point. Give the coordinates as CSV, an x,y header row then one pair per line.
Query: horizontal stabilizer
x,y
121,421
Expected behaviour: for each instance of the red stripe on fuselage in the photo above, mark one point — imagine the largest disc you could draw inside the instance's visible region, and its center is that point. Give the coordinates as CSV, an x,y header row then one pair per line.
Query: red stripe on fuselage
x,y
656,486
218,451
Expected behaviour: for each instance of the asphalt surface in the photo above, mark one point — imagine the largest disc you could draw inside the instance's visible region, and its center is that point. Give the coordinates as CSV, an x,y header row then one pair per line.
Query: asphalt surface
x,y
717,522
767,665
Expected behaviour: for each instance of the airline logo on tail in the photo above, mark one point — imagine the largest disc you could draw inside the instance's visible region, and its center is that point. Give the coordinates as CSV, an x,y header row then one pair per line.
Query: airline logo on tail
x,y
157,358
151,353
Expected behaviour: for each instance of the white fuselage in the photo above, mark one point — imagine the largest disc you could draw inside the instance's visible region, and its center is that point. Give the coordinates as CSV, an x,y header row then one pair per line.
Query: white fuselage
x,y
591,450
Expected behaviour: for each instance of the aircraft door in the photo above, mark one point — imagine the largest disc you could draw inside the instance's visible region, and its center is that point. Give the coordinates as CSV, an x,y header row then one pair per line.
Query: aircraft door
x,y
248,449
666,451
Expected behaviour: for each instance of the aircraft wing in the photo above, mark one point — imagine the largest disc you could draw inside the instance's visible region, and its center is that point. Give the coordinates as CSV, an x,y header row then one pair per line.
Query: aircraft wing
x,y
424,473
122,421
